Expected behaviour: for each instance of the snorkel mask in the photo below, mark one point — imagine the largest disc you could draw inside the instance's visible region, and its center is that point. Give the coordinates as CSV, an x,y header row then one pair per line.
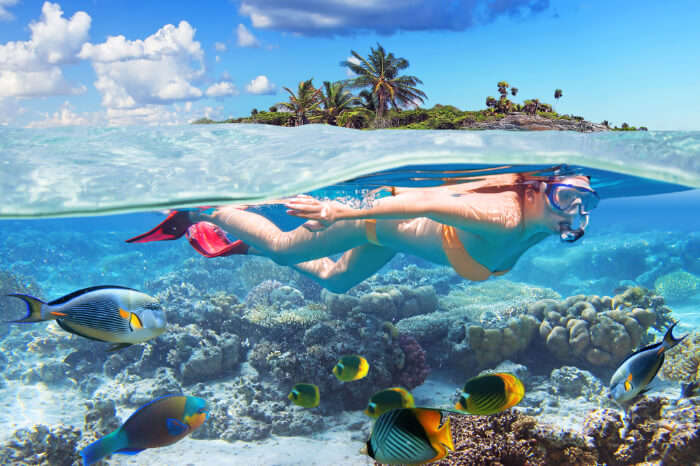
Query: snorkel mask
x,y
571,200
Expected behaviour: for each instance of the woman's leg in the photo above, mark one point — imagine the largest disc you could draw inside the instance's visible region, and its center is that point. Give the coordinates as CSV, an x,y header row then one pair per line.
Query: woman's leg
x,y
286,247
353,267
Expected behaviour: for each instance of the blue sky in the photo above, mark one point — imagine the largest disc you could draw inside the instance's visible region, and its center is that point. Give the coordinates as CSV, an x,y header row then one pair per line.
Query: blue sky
x,y
122,62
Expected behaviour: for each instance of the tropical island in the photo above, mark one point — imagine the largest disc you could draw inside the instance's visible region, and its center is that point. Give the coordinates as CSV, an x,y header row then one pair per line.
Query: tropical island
x,y
388,99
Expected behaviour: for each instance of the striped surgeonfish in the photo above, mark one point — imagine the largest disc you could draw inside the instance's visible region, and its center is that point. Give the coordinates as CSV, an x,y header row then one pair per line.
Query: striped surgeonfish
x,y
112,314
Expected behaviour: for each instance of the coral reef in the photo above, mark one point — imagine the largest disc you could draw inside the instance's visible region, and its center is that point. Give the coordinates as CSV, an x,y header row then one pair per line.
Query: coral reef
x,y
249,409
415,368
387,303
654,431
42,445
677,286
608,260
682,363
511,438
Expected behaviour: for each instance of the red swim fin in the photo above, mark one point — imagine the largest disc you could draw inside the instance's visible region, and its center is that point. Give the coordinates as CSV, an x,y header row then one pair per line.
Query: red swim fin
x,y
211,241
174,226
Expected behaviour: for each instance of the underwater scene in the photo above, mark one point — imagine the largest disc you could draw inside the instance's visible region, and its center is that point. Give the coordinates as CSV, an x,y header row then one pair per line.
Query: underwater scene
x,y
248,294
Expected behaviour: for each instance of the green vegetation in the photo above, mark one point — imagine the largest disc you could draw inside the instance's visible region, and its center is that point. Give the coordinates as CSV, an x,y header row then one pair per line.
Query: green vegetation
x,y
388,99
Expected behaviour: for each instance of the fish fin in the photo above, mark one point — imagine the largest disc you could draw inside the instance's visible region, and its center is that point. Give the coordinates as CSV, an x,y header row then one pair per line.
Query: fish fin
x,y
118,346
669,340
445,436
34,306
130,451
75,294
175,427
107,445
363,369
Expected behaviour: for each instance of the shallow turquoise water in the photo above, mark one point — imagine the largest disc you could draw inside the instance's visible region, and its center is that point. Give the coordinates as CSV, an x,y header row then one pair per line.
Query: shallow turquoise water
x,y
646,227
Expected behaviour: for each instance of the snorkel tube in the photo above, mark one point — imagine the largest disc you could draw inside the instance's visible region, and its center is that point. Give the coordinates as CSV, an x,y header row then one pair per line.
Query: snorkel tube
x,y
568,234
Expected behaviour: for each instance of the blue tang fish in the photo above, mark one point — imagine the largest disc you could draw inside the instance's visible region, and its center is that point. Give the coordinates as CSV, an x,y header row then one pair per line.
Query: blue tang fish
x,y
640,367
161,422
112,314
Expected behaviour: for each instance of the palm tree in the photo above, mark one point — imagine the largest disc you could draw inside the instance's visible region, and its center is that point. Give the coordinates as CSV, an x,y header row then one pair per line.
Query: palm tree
x,y
335,100
557,94
303,103
503,89
380,72
491,102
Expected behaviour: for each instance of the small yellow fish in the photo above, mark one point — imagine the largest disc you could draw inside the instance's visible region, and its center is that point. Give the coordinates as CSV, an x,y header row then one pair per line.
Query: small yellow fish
x,y
388,399
305,395
351,368
490,394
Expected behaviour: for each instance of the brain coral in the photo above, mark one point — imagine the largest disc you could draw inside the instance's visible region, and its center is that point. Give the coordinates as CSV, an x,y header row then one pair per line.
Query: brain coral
x,y
677,286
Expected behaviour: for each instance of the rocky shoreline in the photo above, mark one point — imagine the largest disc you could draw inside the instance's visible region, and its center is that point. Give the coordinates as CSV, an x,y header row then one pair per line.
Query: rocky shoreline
x,y
522,122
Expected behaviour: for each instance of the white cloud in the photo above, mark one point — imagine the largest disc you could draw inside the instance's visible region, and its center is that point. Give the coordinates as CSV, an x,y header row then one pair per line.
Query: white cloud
x,y
220,46
347,17
32,68
348,71
245,37
158,70
4,14
260,85
221,89
63,117
217,59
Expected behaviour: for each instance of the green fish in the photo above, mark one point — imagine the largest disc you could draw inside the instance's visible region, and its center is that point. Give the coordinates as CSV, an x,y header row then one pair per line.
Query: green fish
x,y
351,368
305,395
410,436
490,394
112,314
160,423
639,368
388,399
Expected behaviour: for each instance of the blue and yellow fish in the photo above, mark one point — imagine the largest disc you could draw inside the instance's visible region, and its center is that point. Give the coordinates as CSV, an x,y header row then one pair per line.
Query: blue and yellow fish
x,y
352,367
490,394
112,314
160,423
410,436
640,368
388,399
305,395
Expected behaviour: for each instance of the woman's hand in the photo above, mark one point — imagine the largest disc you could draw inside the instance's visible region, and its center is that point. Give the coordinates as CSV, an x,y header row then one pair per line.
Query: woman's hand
x,y
320,214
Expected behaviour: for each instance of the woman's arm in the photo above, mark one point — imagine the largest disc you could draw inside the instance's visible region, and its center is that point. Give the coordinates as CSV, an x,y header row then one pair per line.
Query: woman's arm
x,y
480,213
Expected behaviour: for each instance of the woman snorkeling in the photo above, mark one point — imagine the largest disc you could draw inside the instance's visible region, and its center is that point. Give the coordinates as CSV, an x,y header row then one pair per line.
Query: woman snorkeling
x,y
480,228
